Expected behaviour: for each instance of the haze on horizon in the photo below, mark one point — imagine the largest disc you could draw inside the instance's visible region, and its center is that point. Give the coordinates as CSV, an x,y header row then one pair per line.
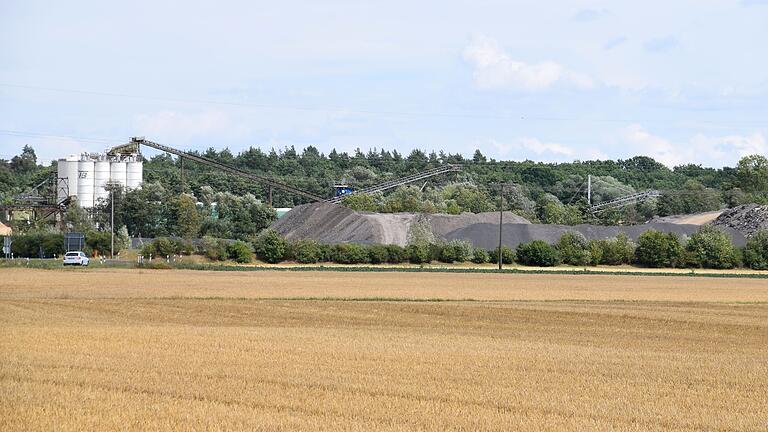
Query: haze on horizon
x,y
685,82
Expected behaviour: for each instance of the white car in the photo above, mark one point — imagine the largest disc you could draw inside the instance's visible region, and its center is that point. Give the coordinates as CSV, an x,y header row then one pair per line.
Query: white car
x,y
76,258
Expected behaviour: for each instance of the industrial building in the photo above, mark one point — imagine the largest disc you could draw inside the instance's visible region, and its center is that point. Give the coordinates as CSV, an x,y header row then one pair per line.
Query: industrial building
x,y
86,176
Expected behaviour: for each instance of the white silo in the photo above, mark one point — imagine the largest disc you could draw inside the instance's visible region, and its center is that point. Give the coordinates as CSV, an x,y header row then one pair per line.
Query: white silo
x,y
117,172
66,183
101,172
85,178
134,173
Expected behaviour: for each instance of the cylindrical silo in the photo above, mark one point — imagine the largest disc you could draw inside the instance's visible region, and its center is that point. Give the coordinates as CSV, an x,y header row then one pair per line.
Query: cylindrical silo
x,y
134,173
101,172
85,178
117,172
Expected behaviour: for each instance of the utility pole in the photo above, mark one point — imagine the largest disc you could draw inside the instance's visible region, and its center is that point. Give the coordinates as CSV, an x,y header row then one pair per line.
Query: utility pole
x,y
501,220
183,189
112,222
589,189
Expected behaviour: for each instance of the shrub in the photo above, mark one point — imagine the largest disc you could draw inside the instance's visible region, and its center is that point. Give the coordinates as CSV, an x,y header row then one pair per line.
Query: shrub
x,y
617,251
185,247
480,256
596,249
38,245
418,253
756,251
574,249
377,254
657,249
215,249
147,250
240,252
270,246
396,254
711,248
507,255
455,251
325,252
307,251
164,246
350,253
538,253
99,242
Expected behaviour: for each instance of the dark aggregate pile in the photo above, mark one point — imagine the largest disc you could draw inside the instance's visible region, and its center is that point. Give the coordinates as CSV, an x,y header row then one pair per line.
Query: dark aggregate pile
x,y
746,219
330,223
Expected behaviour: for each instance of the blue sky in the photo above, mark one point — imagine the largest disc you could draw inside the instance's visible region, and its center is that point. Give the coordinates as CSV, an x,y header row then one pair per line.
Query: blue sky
x,y
683,81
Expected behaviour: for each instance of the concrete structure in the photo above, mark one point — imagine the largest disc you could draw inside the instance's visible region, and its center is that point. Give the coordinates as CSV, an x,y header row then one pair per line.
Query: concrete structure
x,y
86,176
101,179
85,183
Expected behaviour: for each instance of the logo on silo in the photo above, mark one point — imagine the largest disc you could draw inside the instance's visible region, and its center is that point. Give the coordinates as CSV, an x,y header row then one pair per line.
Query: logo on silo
x,y
82,174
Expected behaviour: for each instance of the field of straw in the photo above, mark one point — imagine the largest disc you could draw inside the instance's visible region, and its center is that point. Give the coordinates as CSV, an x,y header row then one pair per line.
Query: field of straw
x,y
186,350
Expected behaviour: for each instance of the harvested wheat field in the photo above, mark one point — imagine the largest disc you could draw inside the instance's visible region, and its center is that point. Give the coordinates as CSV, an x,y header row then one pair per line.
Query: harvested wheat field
x,y
175,350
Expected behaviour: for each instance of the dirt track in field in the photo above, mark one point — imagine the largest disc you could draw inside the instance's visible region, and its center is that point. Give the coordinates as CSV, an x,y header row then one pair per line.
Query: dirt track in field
x,y
96,283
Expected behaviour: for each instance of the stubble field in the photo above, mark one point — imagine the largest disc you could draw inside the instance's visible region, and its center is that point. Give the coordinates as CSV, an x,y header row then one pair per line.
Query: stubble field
x,y
185,350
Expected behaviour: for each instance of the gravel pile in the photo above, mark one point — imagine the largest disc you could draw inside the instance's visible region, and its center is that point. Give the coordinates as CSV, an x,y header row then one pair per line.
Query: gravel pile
x,y
746,219
331,223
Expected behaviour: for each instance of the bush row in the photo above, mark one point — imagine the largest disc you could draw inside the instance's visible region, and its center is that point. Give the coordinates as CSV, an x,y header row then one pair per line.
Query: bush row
x,y
707,248
51,244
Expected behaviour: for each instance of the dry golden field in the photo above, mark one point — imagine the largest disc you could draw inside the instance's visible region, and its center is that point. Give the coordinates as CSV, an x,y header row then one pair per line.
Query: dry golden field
x,y
185,350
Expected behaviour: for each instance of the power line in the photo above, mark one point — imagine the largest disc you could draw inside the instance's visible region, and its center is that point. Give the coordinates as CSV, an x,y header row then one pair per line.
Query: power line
x,y
521,117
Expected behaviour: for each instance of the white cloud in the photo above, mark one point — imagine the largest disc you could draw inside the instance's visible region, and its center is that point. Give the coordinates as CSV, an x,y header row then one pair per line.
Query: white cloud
x,y
494,69
524,147
700,149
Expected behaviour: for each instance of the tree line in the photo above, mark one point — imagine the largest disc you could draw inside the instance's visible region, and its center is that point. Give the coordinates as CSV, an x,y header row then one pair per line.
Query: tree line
x,y
208,202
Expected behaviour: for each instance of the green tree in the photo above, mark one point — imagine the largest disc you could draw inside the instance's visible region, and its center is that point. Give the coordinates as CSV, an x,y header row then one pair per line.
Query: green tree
x,y
508,255
306,251
657,249
756,251
753,173
456,251
711,248
396,254
77,219
418,253
350,253
377,254
240,252
360,202
187,217
574,249
538,253
480,256
270,246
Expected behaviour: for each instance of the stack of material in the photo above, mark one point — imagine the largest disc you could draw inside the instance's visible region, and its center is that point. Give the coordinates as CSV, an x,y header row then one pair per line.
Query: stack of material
x,y
746,219
330,223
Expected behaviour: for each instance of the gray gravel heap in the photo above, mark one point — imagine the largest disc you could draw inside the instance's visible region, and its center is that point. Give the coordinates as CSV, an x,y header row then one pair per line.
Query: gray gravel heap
x,y
746,219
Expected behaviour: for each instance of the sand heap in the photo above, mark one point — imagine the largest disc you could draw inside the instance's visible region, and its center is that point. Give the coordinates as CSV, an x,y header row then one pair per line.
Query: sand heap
x,y
330,223
746,219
